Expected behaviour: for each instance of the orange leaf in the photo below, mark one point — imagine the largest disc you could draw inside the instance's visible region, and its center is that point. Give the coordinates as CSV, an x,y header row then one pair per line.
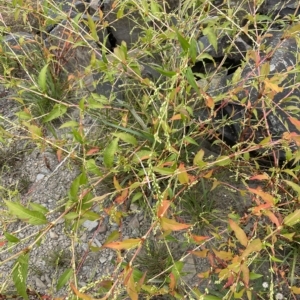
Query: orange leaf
x,y
81,295
295,122
182,175
172,283
208,174
265,196
246,274
176,117
120,199
295,290
2,243
198,238
272,217
201,254
260,177
239,233
163,208
272,86
130,284
92,151
209,101
126,244
257,210
59,154
168,224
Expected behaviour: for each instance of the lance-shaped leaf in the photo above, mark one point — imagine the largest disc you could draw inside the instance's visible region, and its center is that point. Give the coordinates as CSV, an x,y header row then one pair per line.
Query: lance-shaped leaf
x,y
29,216
19,274
182,174
293,218
254,246
163,207
168,224
64,278
239,233
109,153
121,245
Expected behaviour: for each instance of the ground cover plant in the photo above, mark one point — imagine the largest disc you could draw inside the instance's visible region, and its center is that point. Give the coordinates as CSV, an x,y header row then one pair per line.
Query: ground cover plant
x,y
171,128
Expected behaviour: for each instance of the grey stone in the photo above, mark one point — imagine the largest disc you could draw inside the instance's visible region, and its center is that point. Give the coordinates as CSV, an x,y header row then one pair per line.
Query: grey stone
x,y
39,283
39,177
102,259
279,98
90,225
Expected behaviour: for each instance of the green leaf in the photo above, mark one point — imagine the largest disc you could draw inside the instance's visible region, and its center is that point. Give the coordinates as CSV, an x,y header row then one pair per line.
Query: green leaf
x,y
92,167
92,27
71,215
294,186
69,124
11,238
109,153
163,171
31,217
112,237
57,111
254,276
39,207
212,38
193,50
209,297
42,79
19,275
64,278
293,218
191,80
126,137
165,72
185,45
223,161
143,155
190,140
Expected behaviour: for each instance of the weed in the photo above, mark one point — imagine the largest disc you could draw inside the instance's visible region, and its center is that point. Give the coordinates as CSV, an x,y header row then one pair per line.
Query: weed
x,y
135,117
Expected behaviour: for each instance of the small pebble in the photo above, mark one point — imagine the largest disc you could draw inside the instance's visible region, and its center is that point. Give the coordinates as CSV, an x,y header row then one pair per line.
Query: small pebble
x,y
39,177
90,225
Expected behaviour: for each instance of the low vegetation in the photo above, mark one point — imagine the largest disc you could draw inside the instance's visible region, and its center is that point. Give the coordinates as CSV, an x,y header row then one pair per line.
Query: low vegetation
x,y
142,148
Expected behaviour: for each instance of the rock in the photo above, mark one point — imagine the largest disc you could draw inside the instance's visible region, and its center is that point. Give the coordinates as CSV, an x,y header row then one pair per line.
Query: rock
x,y
39,283
102,259
25,47
27,20
53,235
134,223
90,225
39,177
273,97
